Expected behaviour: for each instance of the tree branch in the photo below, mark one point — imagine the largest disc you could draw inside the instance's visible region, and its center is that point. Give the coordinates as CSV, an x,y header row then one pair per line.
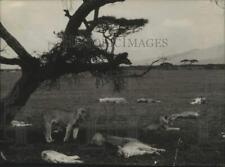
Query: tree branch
x,y
78,68
136,75
86,24
96,14
67,13
61,67
82,12
94,23
8,61
14,44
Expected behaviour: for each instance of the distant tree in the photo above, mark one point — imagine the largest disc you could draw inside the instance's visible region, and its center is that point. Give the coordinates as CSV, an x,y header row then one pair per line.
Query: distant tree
x,y
193,61
184,61
166,65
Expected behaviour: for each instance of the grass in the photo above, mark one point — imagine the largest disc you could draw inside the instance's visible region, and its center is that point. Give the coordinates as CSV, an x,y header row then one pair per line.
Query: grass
x,y
201,139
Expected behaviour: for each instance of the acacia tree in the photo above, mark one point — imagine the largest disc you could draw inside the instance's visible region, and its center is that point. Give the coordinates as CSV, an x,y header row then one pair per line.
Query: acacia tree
x,y
112,28
184,61
190,62
75,53
193,61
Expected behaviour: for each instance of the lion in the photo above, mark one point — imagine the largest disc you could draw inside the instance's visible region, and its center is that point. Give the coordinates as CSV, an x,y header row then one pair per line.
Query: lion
x,y
164,123
64,118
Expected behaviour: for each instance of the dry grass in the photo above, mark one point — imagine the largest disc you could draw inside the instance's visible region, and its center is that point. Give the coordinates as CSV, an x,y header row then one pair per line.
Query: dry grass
x,y
201,140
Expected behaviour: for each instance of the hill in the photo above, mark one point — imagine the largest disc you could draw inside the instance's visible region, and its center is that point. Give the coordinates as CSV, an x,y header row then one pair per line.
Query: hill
x,y
212,55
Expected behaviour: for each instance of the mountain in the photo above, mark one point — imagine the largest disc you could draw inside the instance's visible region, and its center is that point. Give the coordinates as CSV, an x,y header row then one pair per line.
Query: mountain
x,y
212,55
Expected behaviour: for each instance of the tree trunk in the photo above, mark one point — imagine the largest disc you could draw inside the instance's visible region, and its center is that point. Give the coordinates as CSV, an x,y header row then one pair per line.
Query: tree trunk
x,y
18,97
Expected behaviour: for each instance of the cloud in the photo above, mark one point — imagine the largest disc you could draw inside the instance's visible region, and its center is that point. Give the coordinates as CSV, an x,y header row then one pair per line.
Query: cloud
x,y
177,23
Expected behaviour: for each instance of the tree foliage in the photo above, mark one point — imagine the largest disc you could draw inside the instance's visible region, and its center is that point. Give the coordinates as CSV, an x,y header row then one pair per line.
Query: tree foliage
x,y
192,61
187,61
112,28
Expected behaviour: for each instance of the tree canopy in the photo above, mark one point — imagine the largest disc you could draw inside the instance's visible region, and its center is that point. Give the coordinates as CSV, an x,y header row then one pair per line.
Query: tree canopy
x,y
191,61
111,28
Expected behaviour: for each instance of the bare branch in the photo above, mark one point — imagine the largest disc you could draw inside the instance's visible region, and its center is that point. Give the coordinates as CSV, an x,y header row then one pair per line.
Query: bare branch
x,y
135,75
67,13
94,23
8,61
14,44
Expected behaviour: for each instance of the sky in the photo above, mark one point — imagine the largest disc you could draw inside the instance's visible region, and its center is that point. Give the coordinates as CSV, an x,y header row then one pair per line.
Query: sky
x,y
183,25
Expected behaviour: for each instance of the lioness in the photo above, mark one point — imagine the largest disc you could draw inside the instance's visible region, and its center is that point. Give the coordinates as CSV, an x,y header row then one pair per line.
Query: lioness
x,y
70,120
164,124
